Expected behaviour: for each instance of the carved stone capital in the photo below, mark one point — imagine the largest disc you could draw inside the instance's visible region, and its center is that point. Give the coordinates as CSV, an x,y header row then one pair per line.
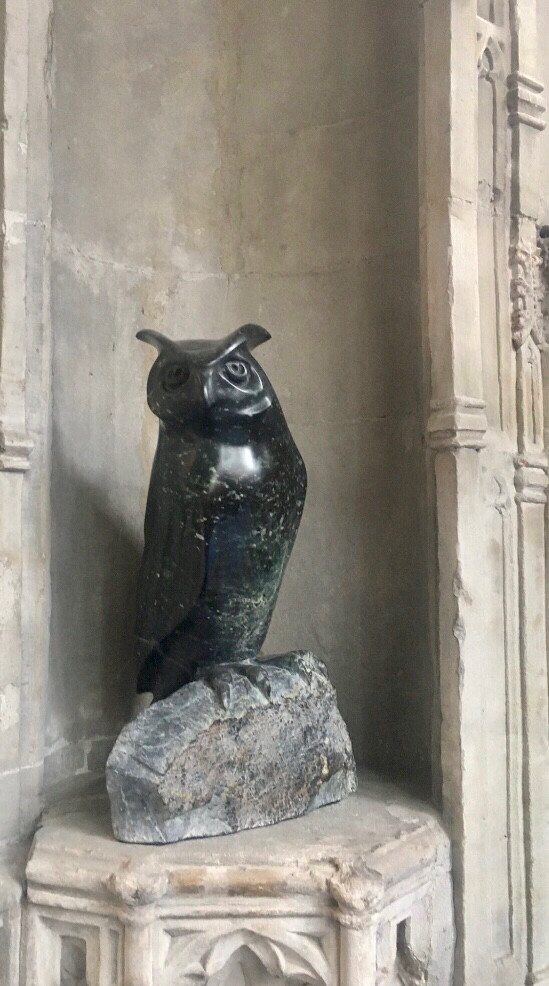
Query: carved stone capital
x,y
525,101
458,422
15,451
135,888
531,478
357,892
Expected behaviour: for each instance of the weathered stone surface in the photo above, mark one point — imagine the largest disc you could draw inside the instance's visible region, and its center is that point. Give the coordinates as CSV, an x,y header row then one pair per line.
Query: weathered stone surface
x,y
218,757
313,900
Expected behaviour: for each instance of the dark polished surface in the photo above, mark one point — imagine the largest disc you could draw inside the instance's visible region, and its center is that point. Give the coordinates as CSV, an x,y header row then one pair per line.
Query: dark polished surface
x,y
225,500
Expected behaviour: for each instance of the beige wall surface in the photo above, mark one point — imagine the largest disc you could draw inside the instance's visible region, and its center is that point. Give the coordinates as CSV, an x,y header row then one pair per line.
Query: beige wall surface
x,y
221,161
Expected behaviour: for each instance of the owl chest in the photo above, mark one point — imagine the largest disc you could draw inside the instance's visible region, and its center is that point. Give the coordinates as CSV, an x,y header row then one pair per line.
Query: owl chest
x,y
238,471
250,483
214,480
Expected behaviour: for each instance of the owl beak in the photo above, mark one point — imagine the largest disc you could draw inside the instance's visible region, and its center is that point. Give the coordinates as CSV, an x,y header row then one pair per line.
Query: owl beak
x,y
208,390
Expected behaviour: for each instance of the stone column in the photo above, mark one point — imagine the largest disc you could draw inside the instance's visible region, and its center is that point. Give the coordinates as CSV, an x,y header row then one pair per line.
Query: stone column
x,y
15,444
138,950
456,430
25,60
357,950
24,409
481,107
357,893
526,115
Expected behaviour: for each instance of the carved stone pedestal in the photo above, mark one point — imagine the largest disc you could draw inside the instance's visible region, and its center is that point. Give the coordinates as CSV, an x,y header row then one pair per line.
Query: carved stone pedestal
x,y
352,894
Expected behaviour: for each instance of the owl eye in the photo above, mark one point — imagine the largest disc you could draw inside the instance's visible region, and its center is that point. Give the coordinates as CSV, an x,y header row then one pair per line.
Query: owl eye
x,y
175,376
236,370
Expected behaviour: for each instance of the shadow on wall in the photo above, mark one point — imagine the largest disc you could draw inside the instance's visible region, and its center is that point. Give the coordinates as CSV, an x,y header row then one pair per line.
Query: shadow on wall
x,y
95,559
315,229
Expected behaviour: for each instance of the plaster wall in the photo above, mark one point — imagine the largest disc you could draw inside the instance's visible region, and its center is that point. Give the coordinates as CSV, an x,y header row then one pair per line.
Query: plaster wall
x,y
215,162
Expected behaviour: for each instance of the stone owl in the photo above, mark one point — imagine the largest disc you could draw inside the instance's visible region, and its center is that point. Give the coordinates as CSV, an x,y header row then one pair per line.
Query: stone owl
x,y
225,500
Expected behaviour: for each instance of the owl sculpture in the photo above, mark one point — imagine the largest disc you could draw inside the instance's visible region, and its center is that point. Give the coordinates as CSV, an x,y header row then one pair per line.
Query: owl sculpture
x,y
225,500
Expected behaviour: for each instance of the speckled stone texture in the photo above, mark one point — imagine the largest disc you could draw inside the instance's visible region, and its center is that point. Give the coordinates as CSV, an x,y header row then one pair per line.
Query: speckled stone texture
x,y
191,765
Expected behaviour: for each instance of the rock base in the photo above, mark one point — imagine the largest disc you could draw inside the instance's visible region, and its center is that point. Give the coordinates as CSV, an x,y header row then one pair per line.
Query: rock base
x,y
197,765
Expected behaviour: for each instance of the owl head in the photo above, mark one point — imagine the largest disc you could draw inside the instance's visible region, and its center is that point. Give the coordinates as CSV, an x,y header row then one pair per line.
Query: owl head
x,y
203,381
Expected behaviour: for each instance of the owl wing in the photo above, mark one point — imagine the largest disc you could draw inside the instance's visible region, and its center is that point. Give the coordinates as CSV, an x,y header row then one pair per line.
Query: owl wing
x,y
173,564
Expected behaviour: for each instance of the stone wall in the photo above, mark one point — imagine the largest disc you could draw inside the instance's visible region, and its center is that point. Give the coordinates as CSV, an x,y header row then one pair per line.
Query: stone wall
x,y
214,163
543,61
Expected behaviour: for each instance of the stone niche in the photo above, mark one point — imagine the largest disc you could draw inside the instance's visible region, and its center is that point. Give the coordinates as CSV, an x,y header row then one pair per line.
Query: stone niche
x,y
188,166
353,894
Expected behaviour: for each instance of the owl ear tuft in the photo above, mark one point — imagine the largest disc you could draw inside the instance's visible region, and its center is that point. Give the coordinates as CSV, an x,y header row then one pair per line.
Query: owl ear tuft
x,y
254,335
249,335
156,339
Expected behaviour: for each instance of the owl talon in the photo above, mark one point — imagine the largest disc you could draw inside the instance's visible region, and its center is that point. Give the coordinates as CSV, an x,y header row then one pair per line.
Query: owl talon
x,y
257,677
223,691
289,662
222,678
220,685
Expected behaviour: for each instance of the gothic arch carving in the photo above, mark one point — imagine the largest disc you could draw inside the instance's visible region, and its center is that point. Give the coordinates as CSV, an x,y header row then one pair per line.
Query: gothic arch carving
x,y
207,959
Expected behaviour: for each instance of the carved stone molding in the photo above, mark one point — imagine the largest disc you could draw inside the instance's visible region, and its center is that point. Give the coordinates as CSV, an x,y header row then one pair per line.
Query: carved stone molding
x,y
299,904
134,888
526,116
15,451
482,110
492,39
530,427
357,892
459,422
492,12
525,260
543,243
281,956
525,101
531,479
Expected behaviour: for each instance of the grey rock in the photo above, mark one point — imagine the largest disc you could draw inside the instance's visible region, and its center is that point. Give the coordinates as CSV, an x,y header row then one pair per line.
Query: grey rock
x,y
230,752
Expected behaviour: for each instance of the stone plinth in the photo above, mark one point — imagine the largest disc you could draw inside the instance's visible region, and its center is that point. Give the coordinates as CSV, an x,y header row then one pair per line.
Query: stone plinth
x,y
354,893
